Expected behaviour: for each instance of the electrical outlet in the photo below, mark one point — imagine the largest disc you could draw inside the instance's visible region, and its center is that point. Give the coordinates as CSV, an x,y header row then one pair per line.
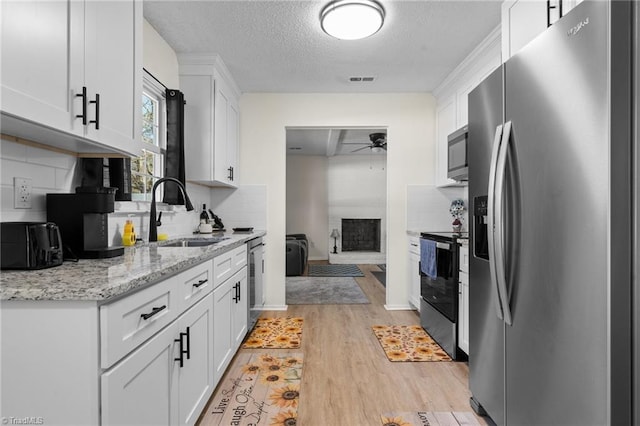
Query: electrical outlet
x,y
22,192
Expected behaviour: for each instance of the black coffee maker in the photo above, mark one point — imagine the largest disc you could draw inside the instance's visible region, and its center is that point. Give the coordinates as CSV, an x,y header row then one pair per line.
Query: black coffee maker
x,y
83,221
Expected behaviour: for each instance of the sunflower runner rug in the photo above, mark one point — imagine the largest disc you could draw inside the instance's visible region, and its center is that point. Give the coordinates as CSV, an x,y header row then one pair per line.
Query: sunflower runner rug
x,y
261,389
424,418
275,333
408,343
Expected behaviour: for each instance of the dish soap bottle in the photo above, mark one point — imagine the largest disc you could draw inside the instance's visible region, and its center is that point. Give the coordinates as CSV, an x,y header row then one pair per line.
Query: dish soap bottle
x,y
204,216
129,235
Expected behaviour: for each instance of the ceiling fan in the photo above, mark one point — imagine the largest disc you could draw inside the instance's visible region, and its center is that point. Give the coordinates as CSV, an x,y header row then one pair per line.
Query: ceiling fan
x,y
378,143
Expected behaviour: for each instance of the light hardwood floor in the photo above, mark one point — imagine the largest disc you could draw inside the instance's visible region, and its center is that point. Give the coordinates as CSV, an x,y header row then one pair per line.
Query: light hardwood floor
x,y
347,379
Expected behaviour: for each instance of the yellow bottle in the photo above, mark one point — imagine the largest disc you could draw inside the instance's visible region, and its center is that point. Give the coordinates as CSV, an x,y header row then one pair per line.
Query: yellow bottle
x,y
128,236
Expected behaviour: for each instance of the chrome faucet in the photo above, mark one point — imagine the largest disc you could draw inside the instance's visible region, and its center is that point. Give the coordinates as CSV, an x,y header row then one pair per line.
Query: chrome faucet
x,y
153,221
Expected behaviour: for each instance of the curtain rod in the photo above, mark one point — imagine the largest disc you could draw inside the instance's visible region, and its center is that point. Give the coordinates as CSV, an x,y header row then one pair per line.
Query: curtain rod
x,y
154,77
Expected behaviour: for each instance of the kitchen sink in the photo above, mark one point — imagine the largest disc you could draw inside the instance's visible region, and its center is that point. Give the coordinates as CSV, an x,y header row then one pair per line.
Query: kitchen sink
x,y
194,242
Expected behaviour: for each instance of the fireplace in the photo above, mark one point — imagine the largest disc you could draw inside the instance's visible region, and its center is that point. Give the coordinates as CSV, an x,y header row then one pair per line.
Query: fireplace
x,y
361,235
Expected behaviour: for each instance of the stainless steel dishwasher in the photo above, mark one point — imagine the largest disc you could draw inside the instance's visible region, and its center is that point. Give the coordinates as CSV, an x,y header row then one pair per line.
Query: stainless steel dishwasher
x,y
255,261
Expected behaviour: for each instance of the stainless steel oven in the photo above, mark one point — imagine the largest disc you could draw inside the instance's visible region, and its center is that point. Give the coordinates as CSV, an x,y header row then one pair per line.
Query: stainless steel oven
x,y
439,289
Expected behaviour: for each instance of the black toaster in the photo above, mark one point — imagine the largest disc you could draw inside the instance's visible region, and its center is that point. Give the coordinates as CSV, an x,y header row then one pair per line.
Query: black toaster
x,y
30,245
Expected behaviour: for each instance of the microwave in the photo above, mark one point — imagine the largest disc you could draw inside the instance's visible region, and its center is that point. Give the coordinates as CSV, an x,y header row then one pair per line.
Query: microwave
x,y
457,161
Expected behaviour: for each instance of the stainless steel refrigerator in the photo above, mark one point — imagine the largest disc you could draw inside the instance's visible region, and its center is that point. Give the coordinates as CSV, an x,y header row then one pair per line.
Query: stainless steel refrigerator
x,y
552,187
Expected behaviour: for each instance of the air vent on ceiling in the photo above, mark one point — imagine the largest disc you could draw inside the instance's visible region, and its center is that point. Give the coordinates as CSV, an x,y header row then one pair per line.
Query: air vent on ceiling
x,y
361,79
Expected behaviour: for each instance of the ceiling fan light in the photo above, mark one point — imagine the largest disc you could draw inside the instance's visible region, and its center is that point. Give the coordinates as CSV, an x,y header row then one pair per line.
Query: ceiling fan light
x,y
377,149
352,19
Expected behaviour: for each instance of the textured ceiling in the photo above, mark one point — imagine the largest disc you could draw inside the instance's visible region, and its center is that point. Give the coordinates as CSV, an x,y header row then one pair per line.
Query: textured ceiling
x,y
278,46
330,141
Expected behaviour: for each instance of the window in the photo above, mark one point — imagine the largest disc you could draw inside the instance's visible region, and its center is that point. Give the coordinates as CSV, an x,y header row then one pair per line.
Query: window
x,y
149,167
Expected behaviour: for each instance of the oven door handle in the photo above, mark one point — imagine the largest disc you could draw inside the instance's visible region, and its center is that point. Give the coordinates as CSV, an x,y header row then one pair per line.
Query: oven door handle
x,y
495,150
443,246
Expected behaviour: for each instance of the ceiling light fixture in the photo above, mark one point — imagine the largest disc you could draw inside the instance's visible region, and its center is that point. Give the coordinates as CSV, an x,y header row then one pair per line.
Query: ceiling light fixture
x,y
352,19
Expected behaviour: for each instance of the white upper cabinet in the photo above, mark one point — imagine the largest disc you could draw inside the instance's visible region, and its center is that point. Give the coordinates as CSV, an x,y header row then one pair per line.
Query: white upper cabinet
x,y
72,73
452,96
523,20
212,120
42,61
113,71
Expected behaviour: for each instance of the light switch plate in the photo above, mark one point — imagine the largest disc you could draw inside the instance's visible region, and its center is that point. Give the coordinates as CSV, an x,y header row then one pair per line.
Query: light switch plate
x,y
22,192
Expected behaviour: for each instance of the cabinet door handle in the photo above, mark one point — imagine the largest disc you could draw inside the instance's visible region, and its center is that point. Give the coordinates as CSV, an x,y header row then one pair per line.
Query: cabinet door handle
x,y
188,334
83,95
230,177
153,312
181,359
549,7
200,283
232,173
236,298
97,103
239,294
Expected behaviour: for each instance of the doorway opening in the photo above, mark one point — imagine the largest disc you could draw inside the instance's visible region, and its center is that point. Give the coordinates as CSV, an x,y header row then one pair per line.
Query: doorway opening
x,y
336,174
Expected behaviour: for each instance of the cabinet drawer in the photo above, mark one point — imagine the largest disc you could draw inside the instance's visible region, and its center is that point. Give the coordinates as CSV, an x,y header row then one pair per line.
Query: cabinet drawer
x,y
227,264
464,259
127,323
194,284
414,245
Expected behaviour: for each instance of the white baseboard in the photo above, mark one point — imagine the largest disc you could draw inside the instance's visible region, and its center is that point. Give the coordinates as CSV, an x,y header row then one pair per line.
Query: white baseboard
x,y
406,307
275,307
358,258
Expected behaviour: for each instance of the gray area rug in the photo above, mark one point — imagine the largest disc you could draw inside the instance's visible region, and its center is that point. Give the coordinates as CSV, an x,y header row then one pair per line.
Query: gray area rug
x,y
380,276
324,291
335,271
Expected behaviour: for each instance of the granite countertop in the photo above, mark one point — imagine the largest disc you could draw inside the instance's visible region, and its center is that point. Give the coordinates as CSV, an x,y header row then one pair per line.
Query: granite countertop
x,y
413,233
103,279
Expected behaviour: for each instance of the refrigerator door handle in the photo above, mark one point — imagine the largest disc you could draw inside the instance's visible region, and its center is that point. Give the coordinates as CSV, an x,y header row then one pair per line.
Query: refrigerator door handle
x,y
499,234
491,220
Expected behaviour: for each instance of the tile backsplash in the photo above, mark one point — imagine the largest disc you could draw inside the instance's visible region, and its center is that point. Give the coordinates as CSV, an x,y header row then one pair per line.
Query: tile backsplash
x,y
243,207
428,207
51,171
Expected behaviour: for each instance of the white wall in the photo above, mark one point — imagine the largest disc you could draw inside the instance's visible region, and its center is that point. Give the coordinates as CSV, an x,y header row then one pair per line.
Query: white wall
x,y
307,209
159,58
358,190
409,119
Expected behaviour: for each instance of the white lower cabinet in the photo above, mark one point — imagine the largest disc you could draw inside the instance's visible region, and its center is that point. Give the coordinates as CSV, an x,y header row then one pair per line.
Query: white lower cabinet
x,y
414,272
196,374
230,319
143,388
240,309
168,379
222,347
153,356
